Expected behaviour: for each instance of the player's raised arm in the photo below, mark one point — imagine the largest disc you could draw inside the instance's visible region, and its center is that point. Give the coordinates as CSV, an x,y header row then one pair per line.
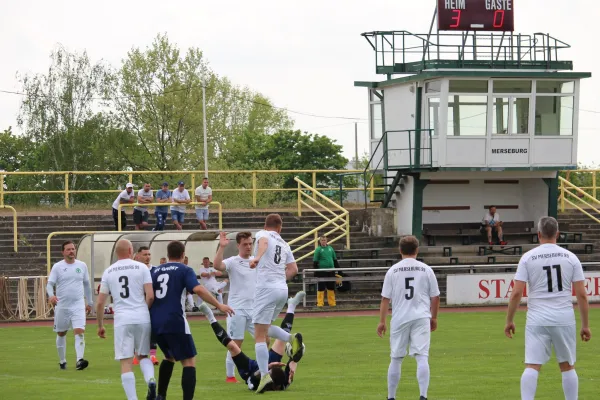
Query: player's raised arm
x,y
218,260
263,244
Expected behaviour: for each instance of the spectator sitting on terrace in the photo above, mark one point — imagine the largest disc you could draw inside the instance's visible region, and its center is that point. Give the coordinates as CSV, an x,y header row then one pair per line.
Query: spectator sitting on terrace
x,y
492,221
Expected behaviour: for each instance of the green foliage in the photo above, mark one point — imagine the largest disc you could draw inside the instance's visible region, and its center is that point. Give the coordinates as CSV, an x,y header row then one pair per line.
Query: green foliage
x,y
147,115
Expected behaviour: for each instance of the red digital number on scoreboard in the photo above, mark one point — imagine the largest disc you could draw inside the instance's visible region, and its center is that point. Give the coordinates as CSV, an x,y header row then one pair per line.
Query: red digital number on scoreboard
x,y
476,15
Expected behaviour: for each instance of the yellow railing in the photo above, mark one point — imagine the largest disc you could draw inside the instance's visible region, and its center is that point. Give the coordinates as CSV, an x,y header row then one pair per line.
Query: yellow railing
x,y
49,249
254,190
344,216
15,233
571,193
193,203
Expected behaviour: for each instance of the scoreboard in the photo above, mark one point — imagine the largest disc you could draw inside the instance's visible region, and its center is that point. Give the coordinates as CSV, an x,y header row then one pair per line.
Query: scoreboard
x,y
476,15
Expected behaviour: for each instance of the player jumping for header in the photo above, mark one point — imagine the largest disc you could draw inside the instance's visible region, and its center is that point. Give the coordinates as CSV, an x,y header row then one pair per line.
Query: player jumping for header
x,y
282,374
275,264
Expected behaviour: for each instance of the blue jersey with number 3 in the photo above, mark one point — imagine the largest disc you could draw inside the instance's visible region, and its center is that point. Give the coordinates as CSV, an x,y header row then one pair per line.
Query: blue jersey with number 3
x,y
171,282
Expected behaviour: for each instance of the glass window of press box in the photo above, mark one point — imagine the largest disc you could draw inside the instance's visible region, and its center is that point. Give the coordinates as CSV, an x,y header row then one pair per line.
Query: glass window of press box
x,y
504,107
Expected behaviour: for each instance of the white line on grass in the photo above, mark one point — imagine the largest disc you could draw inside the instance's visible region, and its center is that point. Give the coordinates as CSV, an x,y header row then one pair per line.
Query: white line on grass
x,y
51,378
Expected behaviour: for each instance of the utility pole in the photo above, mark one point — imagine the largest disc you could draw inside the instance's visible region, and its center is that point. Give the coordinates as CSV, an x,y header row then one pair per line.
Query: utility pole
x,y
356,145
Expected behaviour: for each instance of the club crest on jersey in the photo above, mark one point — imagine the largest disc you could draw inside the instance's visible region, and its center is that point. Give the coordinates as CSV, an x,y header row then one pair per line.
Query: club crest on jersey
x,y
78,270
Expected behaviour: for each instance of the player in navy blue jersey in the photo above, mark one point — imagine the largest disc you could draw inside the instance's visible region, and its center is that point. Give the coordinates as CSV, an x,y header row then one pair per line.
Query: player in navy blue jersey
x,y
171,282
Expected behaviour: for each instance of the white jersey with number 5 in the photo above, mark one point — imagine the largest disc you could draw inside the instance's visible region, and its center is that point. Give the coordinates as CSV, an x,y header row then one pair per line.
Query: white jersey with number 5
x,y
125,280
549,270
271,267
410,285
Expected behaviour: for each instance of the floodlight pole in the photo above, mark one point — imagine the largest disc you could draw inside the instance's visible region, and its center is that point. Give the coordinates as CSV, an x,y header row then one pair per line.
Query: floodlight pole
x,y
204,122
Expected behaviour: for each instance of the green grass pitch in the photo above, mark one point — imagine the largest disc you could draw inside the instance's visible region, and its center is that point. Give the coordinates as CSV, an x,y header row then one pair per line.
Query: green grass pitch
x,y
470,359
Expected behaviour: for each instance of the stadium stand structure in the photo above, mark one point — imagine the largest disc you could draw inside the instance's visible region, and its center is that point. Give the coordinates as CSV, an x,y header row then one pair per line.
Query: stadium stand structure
x,y
582,236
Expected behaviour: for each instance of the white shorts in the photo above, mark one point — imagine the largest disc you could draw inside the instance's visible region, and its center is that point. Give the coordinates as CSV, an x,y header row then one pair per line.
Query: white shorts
x,y
539,341
67,318
216,287
416,334
268,303
130,339
239,324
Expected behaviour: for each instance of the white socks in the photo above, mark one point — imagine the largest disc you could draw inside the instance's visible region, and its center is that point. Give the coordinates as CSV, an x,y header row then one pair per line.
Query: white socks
x,y
190,300
79,346
570,383
291,308
128,381
529,384
394,377
423,374
61,346
278,333
229,366
262,358
147,369
220,297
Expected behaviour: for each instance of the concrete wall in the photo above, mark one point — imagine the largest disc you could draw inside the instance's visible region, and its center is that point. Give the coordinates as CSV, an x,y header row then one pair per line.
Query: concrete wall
x,y
376,221
527,199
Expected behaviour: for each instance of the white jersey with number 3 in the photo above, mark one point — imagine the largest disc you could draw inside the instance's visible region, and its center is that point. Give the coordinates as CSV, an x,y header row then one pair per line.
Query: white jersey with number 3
x,y
549,270
410,285
125,280
271,267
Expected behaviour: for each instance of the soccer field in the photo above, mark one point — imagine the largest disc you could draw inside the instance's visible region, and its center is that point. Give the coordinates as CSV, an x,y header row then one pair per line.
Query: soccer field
x,y
470,359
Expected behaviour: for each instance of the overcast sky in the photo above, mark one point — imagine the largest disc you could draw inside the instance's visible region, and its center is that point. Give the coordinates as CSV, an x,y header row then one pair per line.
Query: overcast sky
x,y
304,55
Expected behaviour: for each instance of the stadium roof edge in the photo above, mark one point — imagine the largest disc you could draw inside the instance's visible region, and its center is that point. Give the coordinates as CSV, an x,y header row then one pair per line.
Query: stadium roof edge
x,y
426,75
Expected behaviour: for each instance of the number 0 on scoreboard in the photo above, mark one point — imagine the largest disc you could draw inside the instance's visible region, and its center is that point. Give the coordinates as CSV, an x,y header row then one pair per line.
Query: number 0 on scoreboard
x,y
476,15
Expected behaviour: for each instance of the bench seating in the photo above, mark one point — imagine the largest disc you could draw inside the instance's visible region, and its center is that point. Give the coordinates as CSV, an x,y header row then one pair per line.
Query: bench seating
x,y
470,232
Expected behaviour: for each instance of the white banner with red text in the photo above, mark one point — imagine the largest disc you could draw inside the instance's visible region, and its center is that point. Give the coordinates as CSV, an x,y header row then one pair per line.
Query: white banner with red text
x,y
495,289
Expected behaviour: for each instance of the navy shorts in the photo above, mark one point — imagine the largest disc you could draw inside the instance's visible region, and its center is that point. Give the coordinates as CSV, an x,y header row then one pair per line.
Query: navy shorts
x,y
253,365
179,346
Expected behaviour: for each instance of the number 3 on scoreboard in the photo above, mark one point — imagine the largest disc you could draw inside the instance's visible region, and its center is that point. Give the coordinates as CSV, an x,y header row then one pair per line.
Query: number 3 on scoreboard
x,y
456,18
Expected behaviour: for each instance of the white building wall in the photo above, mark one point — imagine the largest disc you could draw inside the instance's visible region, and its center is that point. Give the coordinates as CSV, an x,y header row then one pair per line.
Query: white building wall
x,y
527,200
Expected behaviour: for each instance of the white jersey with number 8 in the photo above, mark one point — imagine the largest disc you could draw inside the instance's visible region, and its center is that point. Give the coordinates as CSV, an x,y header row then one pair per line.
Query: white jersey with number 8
x,y
271,267
549,270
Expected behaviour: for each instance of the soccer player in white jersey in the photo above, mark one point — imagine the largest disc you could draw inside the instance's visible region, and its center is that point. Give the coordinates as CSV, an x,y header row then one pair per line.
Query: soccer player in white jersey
x,y
144,256
553,274
70,276
413,290
130,283
275,264
241,291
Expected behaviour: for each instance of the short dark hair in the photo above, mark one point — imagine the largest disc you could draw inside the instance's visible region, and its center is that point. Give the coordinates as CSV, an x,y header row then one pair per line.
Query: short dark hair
x,y
273,221
490,207
142,248
205,178
241,236
205,258
409,245
175,250
278,376
65,244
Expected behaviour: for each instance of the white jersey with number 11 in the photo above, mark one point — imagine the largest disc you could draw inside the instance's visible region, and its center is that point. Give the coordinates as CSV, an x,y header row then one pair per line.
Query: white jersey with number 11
x,y
549,270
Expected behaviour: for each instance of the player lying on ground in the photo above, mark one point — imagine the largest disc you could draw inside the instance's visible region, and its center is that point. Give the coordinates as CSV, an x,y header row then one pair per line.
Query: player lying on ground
x,y
282,375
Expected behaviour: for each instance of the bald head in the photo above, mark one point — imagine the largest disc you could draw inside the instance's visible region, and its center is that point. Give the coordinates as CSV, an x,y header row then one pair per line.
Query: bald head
x,y
124,249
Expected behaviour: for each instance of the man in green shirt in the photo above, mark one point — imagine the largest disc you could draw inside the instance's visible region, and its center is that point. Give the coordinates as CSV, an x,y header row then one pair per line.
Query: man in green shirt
x,y
326,261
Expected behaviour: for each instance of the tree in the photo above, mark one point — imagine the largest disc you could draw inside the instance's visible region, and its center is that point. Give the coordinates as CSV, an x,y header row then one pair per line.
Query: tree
x,y
15,151
157,95
57,109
